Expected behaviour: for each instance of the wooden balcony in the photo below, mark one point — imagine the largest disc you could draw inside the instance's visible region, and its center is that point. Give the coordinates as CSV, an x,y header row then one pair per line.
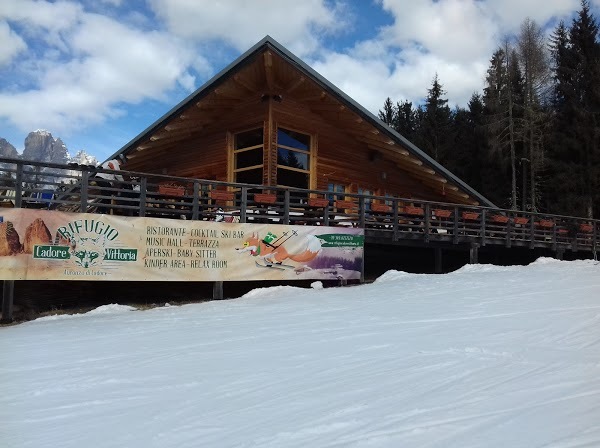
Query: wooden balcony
x,y
395,220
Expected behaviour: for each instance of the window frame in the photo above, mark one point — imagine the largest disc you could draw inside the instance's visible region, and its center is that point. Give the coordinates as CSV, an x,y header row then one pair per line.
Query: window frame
x,y
235,151
310,153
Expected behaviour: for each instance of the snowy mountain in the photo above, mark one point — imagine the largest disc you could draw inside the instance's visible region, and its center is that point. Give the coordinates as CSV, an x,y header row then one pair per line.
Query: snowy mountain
x,y
485,356
41,146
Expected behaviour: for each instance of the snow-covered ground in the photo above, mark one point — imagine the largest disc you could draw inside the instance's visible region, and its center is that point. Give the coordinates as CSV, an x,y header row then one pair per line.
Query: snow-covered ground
x,y
482,357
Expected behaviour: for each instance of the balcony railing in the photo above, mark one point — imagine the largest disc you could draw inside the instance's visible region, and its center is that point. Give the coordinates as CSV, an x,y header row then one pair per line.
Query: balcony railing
x,y
77,188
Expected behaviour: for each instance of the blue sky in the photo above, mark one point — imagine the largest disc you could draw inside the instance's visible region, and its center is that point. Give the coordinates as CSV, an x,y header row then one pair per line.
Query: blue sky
x,y
97,72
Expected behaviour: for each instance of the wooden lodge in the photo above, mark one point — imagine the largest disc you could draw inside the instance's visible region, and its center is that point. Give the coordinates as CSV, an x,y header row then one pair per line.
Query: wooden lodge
x,y
269,140
270,119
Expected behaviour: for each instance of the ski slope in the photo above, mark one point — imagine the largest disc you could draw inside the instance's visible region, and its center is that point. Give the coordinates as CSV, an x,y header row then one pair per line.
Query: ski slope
x,y
483,357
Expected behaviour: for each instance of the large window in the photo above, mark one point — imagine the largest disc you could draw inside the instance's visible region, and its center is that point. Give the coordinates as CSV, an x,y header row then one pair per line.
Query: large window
x,y
293,158
248,157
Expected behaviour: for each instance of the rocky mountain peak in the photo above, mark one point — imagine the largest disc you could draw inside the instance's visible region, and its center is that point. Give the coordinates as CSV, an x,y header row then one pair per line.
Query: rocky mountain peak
x,y
41,146
7,150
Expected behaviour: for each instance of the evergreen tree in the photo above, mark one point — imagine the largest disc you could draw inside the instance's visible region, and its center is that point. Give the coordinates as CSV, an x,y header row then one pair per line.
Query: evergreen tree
x,y
436,123
575,153
406,123
583,37
502,100
389,114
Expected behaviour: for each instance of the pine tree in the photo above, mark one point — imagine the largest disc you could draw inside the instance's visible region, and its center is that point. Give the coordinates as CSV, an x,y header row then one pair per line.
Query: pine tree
x,y
575,153
583,37
389,114
406,119
436,123
502,99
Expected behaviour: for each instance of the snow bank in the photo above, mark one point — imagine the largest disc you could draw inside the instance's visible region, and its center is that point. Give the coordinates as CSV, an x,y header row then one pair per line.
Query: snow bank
x,y
484,357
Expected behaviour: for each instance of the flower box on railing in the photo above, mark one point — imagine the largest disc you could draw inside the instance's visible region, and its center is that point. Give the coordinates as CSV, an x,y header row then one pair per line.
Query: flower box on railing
x,y
222,195
546,223
318,202
470,216
345,204
587,228
381,208
265,198
521,221
442,213
415,211
171,189
501,219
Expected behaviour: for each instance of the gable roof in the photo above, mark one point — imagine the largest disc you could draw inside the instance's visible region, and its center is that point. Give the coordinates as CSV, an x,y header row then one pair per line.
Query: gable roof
x,y
268,43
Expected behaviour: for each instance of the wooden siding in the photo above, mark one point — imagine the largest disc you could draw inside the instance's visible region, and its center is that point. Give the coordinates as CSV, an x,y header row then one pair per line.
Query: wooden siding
x,y
342,159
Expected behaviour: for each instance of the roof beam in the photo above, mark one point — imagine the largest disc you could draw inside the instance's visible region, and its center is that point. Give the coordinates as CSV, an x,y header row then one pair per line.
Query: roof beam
x,y
326,107
307,99
388,150
174,126
245,83
268,59
163,135
295,84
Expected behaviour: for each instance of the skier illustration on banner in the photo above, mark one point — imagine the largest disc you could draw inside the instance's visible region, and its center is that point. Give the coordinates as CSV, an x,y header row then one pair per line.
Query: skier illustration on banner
x,y
274,250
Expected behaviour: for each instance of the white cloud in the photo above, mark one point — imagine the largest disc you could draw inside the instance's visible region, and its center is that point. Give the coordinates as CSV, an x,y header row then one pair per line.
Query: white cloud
x,y
110,64
12,44
453,38
77,68
296,24
55,16
454,30
511,13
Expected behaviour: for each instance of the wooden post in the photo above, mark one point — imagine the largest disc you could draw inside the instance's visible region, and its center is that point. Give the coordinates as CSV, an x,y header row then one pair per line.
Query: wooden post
x,y
509,230
474,253
532,231
8,292
361,212
438,260
395,226
19,186
560,252
483,218
196,201
143,188
243,204
286,207
455,226
218,290
85,180
427,222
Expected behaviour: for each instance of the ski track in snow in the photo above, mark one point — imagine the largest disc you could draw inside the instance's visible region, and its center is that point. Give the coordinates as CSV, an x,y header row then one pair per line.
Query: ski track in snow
x,y
483,357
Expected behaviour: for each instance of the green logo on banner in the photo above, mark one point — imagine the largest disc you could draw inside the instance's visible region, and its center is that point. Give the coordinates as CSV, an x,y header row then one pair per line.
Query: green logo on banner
x,y
121,254
51,252
341,240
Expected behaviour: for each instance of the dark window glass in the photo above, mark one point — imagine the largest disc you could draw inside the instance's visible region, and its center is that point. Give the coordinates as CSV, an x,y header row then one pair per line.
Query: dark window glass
x,y
248,158
293,139
336,188
250,176
292,159
291,178
249,138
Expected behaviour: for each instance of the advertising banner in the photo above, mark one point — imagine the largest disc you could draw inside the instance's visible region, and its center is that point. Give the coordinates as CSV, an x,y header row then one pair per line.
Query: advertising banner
x,y
52,245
